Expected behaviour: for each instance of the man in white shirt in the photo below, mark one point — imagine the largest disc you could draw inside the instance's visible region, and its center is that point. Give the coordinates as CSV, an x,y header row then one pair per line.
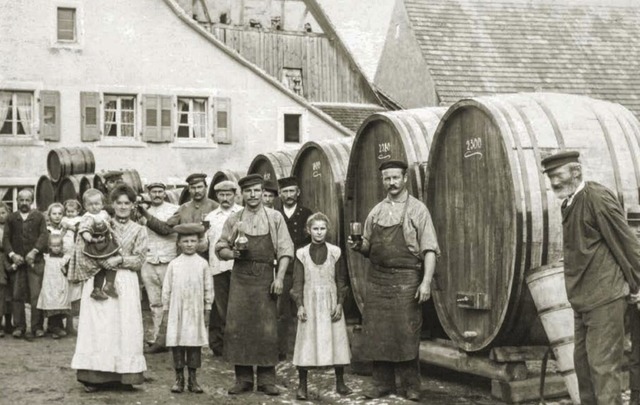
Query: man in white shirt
x,y
161,250
220,269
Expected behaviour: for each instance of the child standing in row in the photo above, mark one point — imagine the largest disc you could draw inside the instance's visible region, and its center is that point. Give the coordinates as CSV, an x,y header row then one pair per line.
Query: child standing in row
x,y
70,223
54,295
187,295
95,244
319,289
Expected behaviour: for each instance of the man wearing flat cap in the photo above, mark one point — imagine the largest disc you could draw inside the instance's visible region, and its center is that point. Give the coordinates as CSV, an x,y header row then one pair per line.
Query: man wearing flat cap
x,y
270,193
254,237
296,217
161,250
601,268
400,240
220,269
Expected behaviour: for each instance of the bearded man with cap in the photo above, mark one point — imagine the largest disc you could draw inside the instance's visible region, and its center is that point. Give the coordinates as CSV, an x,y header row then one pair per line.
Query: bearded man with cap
x,y
161,250
400,240
269,194
251,337
296,217
220,269
601,268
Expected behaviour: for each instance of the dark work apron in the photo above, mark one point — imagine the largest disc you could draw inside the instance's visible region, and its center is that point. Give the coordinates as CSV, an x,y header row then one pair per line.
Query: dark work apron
x,y
392,317
251,334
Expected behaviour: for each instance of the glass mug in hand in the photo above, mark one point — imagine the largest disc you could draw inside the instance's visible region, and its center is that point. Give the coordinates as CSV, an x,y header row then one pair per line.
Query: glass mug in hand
x,y
242,242
356,232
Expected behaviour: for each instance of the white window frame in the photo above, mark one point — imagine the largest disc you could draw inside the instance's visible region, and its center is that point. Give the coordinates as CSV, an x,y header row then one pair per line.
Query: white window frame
x,y
14,114
78,42
208,138
74,21
304,126
118,116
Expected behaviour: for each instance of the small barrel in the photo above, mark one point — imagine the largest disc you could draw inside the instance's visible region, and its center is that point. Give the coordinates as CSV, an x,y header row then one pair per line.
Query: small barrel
x,y
45,193
62,162
273,166
172,195
547,288
86,182
222,175
69,188
404,135
494,211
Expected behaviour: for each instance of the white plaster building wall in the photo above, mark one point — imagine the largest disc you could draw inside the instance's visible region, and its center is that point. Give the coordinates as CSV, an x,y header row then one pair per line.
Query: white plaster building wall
x,y
139,47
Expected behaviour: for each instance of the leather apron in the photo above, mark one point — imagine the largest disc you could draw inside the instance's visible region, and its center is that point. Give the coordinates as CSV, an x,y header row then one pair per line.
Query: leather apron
x,y
392,318
251,334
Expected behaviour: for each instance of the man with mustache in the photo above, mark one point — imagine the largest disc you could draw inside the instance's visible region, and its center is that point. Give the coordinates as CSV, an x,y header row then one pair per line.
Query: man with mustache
x,y
220,269
24,240
601,268
296,217
400,240
251,337
161,250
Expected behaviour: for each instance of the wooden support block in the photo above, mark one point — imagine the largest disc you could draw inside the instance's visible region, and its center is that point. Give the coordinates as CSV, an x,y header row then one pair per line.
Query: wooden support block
x,y
443,355
514,354
513,392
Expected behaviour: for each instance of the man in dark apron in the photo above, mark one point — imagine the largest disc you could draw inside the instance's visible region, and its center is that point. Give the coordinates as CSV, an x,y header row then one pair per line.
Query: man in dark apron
x,y
400,240
251,333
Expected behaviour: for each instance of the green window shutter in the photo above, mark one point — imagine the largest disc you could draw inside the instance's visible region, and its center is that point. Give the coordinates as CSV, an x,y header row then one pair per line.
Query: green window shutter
x,y
222,120
90,116
50,115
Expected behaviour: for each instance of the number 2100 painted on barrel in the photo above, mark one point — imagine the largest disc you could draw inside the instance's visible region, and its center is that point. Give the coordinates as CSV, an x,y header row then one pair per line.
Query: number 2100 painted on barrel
x,y
473,148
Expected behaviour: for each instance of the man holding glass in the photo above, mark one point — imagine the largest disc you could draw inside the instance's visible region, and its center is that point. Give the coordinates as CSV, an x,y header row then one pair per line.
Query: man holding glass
x,y
400,240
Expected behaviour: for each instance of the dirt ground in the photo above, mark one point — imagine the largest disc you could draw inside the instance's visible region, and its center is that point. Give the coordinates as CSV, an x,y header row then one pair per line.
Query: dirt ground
x,y
39,372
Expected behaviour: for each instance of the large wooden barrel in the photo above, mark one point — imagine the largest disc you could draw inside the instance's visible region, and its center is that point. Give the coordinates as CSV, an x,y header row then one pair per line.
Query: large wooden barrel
x,y
185,195
222,175
494,211
86,182
69,188
402,135
45,193
63,162
273,165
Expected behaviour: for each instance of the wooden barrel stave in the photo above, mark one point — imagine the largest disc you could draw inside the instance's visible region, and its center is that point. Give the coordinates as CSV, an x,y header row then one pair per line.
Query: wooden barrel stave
x,y
404,135
527,127
86,182
69,188
45,193
63,162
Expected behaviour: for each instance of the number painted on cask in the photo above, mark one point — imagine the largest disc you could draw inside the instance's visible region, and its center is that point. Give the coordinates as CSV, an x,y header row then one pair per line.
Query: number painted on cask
x,y
316,167
266,176
473,147
383,150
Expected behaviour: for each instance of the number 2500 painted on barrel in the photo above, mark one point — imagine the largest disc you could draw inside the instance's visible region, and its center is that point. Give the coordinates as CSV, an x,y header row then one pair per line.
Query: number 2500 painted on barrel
x,y
473,147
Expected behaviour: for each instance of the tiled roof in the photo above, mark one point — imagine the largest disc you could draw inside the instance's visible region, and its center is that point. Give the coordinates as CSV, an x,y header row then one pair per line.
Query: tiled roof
x,y
349,115
480,47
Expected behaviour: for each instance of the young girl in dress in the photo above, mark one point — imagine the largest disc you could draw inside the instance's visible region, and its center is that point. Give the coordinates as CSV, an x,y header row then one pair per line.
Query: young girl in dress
x,y
54,295
319,289
70,223
187,295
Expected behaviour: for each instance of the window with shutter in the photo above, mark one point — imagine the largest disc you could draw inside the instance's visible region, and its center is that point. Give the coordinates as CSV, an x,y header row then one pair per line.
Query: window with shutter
x,y
90,106
119,116
192,119
66,24
50,115
222,117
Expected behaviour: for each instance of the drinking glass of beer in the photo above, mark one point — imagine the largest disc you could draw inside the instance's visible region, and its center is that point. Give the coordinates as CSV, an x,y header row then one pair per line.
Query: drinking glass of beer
x,y
356,231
